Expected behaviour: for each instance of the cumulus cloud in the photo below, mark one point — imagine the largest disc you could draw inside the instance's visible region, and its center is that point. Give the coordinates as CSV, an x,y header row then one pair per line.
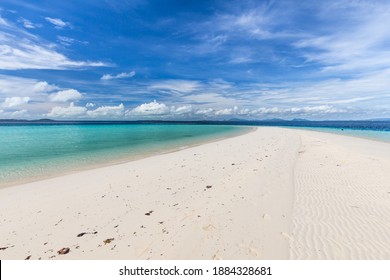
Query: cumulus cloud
x,y
57,22
66,95
67,112
90,104
123,75
108,111
32,95
73,111
159,109
15,101
152,108
43,86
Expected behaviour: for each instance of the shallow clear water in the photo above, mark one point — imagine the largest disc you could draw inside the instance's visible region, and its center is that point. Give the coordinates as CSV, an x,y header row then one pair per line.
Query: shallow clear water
x,y
378,135
30,152
34,151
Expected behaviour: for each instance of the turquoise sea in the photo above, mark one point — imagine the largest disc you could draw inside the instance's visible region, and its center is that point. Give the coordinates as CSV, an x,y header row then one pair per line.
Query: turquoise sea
x,y
377,135
29,152
33,151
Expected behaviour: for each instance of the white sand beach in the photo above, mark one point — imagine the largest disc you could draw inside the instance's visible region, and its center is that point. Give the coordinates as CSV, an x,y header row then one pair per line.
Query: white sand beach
x,y
273,193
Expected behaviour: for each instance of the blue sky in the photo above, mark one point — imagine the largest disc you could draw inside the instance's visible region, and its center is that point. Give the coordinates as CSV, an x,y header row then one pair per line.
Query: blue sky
x,y
194,60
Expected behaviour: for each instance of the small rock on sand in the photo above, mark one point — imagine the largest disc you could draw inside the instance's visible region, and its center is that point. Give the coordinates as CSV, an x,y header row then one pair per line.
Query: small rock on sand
x,y
63,251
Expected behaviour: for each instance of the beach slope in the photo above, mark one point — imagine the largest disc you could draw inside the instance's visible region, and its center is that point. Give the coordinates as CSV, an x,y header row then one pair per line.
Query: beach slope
x,y
272,193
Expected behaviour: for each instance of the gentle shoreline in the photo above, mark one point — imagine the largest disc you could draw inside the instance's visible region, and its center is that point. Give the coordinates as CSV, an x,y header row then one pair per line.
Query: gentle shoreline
x,y
121,160
273,193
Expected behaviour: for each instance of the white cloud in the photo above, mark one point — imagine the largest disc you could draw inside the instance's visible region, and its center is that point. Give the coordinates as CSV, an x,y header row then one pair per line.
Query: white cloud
x,y
20,114
224,112
66,40
255,22
44,87
90,104
270,110
15,101
32,56
322,109
22,50
73,111
152,108
356,47
220,99
28,24
207,111
238,59
11,86
303,111
180,86
231,111
248,22
67,112
3,22
366,91
107,77
66,95
243,112
57,22
186,109
108,111
220,84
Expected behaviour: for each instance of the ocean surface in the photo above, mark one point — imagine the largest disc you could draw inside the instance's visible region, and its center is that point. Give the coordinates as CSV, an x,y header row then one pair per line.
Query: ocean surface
x,y
30,151
373,130
377,135
34,151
